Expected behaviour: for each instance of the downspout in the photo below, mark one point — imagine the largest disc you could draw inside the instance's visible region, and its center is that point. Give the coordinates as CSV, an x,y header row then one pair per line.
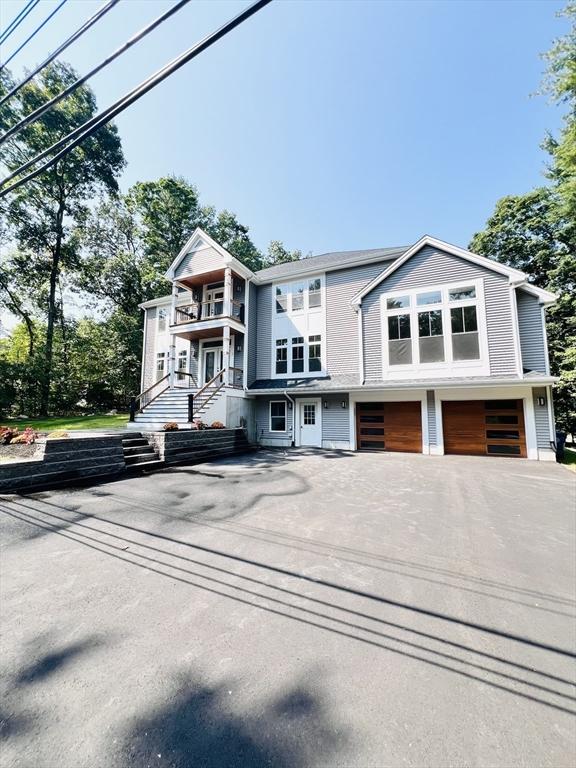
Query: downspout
x,y
247,326
360,345
287,396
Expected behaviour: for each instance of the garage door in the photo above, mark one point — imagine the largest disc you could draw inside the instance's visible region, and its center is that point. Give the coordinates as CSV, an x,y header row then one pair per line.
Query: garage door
x,y
484,427
389,427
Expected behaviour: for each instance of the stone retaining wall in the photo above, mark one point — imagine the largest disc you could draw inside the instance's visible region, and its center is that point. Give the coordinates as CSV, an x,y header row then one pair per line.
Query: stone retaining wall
x,y
65,461
182,446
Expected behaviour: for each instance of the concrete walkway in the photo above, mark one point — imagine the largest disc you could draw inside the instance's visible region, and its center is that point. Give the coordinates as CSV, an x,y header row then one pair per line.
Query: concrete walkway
x,y
294,610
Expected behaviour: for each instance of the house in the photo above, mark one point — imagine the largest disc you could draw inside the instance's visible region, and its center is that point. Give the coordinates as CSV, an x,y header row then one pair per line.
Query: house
x,y
427,349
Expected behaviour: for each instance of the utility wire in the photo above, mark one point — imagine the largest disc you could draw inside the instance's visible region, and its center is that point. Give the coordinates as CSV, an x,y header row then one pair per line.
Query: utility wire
x,y
18,20
46,20
91,126
79,32
59,96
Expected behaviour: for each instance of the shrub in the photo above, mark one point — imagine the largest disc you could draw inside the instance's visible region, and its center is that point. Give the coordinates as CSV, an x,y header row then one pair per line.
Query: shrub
x,y
217,425
26,438
7,434
58,433
170,426
198,424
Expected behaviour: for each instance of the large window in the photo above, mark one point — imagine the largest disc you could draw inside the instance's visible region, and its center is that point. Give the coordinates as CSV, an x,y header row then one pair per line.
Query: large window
x,y
160,365
399,340
314,353
281,298
182,364
465,343
434,326
298,297
281,355
298,354
431,338
278,416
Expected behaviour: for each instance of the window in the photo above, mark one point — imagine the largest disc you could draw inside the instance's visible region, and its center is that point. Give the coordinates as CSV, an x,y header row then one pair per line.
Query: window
x,y
281,355
162,315
298,354
314,293
458,294
398,302
182,364
309,414
281,298
465,341
160,363
298,297
431,339
399,343
278,416
432,297
314,353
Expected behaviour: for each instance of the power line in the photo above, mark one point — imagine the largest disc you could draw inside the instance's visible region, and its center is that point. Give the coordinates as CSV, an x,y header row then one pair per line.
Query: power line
x,y
46,20
18,20
79,32
91,126
134,39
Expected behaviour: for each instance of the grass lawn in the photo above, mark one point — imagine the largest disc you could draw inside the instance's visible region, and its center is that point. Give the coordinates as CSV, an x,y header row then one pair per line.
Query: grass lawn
x,y
570,458
72,422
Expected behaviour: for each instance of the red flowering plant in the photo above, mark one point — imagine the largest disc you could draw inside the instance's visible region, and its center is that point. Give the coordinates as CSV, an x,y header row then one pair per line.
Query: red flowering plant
x,y
7,434
26,438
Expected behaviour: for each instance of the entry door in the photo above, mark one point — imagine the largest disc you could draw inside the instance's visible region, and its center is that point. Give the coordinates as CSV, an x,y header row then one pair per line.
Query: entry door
x,y
213,362
310,423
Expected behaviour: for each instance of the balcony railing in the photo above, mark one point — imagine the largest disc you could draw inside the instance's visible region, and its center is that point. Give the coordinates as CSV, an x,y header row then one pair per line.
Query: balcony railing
x,y
208,310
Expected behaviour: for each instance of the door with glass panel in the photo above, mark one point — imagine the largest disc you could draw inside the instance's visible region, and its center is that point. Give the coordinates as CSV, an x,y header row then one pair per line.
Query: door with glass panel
x,y
310,423
213,362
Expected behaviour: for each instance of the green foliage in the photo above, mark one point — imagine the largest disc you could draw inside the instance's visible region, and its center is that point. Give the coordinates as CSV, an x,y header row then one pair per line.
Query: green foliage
x,y
42,214
536,232
278,254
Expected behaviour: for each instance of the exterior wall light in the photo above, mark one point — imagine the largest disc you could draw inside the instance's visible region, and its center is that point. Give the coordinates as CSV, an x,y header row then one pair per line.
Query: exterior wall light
x,y
343,403
541,401
325,404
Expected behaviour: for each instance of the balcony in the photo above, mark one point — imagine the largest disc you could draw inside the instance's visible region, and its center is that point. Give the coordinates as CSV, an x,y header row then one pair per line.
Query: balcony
x,y
200,311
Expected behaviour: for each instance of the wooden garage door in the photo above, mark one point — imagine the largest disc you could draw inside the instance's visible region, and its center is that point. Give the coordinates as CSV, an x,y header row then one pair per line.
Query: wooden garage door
x,y
389,427
484,427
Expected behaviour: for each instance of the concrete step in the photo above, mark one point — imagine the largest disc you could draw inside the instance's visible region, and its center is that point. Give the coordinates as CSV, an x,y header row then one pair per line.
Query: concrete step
x,y
129,442
138,450
140,458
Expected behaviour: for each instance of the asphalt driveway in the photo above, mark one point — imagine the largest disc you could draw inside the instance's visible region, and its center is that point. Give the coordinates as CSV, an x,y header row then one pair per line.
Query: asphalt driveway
x,y
293,610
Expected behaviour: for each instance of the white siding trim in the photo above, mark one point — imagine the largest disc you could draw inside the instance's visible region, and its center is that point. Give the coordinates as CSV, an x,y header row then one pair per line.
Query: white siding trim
x,y
425,432
360,347
144,334
516,332
438,449
545,337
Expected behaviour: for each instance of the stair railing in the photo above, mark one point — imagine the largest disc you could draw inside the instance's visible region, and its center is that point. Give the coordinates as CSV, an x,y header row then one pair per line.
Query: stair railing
x,y
192,397
179,380
142,400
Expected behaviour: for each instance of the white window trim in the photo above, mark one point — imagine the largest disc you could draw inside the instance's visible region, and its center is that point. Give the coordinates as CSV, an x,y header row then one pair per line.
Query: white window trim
x,y
449,366
289,293
306,373
278,431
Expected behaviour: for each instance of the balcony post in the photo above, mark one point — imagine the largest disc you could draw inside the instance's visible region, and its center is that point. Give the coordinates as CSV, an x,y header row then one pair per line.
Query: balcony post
x,y
172,348
228,292
226,353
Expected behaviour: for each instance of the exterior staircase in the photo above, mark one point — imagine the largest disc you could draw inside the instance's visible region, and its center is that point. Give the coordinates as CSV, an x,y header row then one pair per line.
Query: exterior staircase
x,y
139,454
172,405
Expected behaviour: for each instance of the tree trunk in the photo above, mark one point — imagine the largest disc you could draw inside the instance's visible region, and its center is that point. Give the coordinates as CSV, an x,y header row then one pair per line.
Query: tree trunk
x,y
52,310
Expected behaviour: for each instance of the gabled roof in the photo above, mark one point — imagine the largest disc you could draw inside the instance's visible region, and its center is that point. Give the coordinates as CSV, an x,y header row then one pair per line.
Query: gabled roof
x,y
326,261
516,278
200,239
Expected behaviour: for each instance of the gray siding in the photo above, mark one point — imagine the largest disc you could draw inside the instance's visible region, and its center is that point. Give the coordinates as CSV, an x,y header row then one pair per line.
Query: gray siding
x,y
342,352
262,419
264,343
532,342
149,344
541,418
335,419
252,326
431,403
430,267
204,260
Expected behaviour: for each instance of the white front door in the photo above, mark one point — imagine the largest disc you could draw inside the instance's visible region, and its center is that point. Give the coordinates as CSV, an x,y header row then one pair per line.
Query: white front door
x,y
310,423
213,362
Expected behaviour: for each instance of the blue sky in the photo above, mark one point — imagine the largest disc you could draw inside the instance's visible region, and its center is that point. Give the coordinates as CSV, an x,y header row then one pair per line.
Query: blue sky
x,y
329,124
